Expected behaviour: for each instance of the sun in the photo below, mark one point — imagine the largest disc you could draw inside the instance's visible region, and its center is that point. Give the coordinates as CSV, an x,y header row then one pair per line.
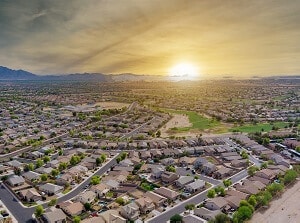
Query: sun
x,y
184,71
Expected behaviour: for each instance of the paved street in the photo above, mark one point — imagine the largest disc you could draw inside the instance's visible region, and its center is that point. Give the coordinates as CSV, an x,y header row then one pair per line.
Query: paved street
x,y
165,216
25,214
135,131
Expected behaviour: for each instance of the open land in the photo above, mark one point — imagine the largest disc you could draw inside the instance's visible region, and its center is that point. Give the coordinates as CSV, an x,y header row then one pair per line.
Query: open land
x,y
284,209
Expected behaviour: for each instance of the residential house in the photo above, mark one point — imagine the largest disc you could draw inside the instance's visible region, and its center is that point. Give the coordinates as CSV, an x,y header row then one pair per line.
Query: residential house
x,y
234,197
266,173
239,163
54,215
157,171
206,214
86,197
53,164
30,195
130,211
168,193
126,163
185,161
112,216
157,199
195,186
15,164
145,204
74,208
51,189
190,218
216,203
199,162
64,179
279,160
248,189
222,172
100,189
184,180
169,177
208,168
30,176
111,184
15,180
89,163
168,161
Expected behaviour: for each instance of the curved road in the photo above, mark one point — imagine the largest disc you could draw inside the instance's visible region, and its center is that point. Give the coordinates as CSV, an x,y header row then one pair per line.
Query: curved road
x,y
23,214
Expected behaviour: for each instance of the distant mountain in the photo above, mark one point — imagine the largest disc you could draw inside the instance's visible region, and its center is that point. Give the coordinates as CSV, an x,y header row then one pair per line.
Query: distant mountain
x,y
136,77
9,74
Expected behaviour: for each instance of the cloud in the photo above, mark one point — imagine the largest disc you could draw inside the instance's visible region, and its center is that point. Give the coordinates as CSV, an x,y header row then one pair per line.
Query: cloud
x,y
141,36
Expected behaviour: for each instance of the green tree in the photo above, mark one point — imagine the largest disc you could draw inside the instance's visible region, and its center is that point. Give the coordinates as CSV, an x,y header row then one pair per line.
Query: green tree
x,y
264,165
252,200
227,183
189,207
171,168
95,180
244,155
222,218
60,152
54,172
120,201
76,219
52,202
243,213
211,193
44,177
29,167
177,218
289,176
39,163
74,160
158,133
62,166
39,210
46,159
220,190
103,158
245,203
252,170
274,188
88,206
98,161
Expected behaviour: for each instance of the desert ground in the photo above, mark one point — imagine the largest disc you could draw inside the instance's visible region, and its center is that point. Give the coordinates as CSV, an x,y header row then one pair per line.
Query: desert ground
x,y
177,121
284,209
112,104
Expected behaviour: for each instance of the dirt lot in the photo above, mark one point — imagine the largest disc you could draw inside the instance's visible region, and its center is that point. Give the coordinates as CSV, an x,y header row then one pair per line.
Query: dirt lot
x,y
284,209
112,104
177,121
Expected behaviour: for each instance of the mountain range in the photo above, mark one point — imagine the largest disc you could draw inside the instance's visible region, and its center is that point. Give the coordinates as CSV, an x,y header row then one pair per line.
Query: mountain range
x,y
11,75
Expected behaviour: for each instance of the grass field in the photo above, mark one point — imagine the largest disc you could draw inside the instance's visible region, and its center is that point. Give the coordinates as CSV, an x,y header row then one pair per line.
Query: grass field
x,y
198,121
266,127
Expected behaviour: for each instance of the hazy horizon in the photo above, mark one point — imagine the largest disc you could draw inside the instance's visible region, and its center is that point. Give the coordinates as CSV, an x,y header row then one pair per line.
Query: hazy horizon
x,y
215,38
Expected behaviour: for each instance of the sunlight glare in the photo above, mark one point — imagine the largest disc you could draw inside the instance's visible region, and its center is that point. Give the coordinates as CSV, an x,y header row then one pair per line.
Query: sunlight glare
x,y
184,71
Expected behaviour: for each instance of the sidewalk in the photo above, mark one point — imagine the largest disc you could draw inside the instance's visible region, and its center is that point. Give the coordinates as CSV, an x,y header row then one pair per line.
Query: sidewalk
x,y
3,207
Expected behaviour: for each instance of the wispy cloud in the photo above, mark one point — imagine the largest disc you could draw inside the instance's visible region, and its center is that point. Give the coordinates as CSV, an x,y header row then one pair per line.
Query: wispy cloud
x,y
149,36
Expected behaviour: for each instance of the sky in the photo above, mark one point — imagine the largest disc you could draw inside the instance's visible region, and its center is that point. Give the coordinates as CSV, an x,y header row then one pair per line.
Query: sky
x,y
219,37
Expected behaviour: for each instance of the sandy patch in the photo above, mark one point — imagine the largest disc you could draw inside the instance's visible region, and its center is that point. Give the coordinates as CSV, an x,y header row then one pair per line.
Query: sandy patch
x,y
178,121
284,209
112,104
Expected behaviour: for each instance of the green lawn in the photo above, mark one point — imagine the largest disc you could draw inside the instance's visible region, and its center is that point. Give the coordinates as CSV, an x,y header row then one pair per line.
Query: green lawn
x,y
198,121
258,127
